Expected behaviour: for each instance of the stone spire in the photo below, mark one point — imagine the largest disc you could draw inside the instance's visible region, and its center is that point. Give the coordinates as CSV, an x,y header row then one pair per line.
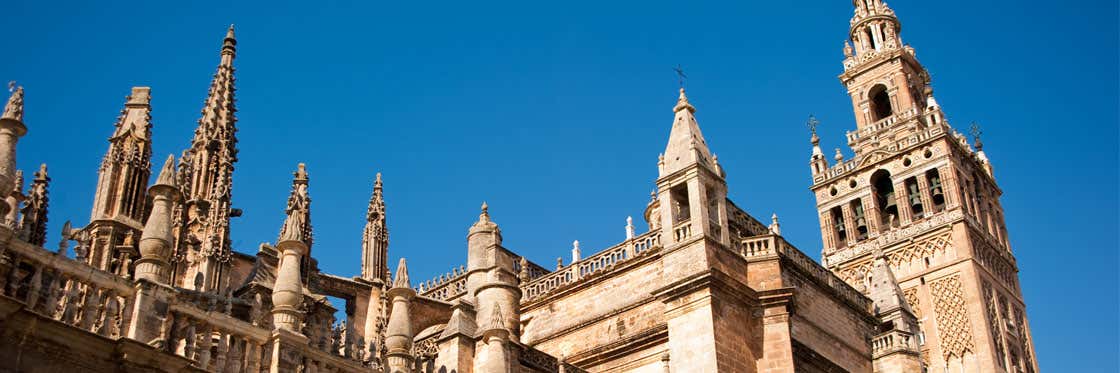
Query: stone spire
x,y
120,201
33,223
399,333
205,178
686,143
884,290
155,242
375,236
11,129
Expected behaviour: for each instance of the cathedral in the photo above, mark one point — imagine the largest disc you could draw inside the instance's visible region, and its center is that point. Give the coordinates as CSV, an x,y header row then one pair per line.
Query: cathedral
x,y
916,271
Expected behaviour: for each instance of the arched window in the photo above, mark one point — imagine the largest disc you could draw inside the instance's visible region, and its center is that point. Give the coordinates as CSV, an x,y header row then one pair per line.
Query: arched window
x,y
880,102
882,187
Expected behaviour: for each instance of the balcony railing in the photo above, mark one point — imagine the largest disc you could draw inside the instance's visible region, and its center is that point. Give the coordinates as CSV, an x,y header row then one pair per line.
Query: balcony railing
x,y
602,261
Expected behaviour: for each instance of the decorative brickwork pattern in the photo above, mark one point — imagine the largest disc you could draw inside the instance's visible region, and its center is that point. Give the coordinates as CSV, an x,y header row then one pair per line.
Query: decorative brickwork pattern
x,y
911,295
953,326
993,321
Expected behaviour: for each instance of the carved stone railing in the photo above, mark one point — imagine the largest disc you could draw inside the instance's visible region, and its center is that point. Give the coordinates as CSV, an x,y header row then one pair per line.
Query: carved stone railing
x,y
439,281
892,341
196,325
193,333
66,290
766,246
602,261
447,290
758,246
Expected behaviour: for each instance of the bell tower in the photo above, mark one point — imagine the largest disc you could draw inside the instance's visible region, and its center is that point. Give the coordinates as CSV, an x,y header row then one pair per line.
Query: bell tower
x,y
917,197
690,183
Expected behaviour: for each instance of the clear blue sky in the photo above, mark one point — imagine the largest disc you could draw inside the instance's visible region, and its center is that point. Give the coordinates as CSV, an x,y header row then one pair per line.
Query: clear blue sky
x,y
554,113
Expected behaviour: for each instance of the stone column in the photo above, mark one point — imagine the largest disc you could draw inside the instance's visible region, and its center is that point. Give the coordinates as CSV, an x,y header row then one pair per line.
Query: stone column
x,y
155,242
287,292
399,333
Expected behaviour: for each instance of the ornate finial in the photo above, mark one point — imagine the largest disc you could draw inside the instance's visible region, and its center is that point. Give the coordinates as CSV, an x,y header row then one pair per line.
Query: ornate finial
x,y
485,214
652,195
14,108
559,262
523,274
401,281
975,131
629,227
301,172
839,156
377,181
576,255
775,228
847,48
682,103
812,123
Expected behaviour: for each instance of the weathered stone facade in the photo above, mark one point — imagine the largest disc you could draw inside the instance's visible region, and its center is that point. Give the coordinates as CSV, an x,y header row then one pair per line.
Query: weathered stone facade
x,y
918,275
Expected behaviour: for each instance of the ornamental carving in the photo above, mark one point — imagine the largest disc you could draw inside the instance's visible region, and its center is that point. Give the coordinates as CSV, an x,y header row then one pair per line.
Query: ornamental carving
x,y
953,327
911,296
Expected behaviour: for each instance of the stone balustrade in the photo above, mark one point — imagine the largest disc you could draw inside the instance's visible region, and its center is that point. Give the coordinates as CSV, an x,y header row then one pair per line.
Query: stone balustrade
x,y
198,326
66,290
892,341
682,231
601,262
758,246
447,290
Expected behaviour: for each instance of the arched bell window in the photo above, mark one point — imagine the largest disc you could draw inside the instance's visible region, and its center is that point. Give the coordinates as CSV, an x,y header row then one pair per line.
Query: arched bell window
x,y
882,188
936,190
880,102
